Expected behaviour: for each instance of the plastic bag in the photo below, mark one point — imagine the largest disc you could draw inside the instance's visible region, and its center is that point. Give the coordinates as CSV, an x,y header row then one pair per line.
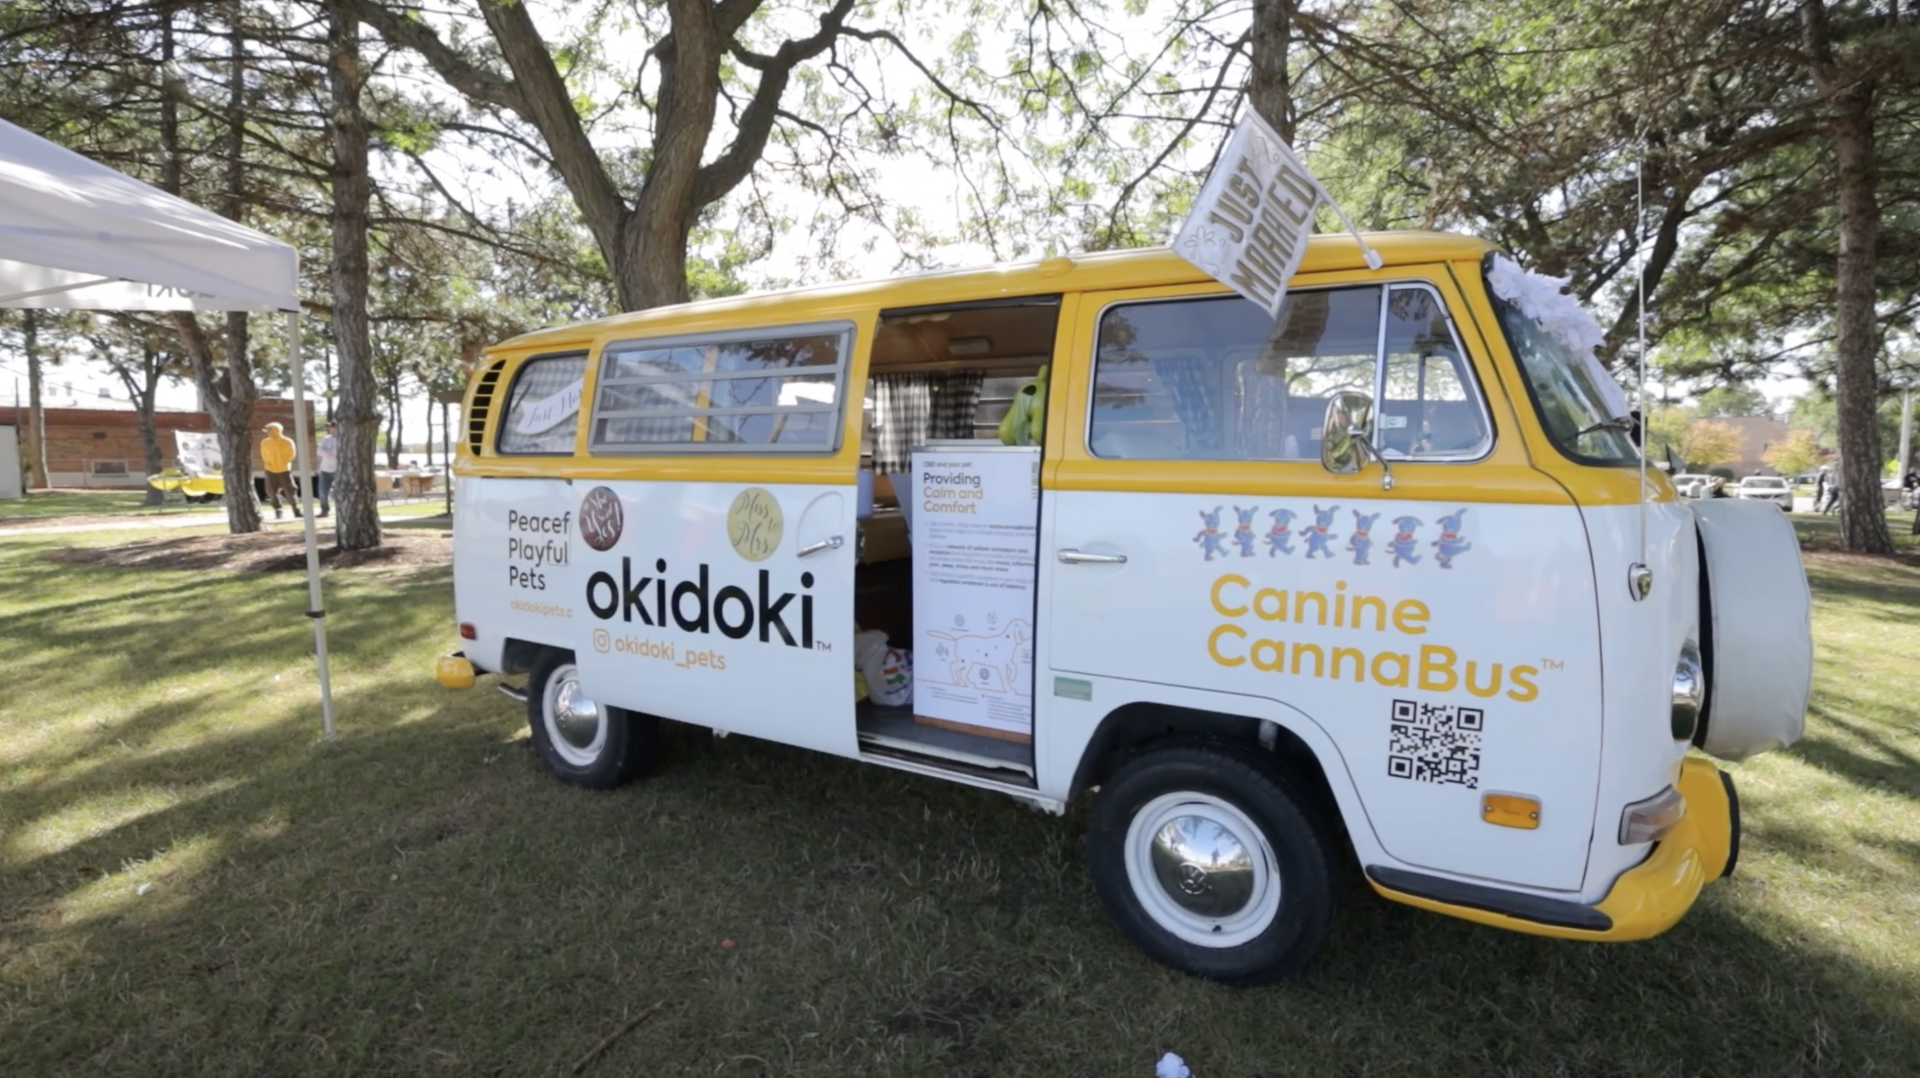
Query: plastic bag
x,y
890,678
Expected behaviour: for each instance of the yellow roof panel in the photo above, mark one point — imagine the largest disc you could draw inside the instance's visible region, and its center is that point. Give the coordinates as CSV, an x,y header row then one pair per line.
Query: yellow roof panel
x,y
1138,268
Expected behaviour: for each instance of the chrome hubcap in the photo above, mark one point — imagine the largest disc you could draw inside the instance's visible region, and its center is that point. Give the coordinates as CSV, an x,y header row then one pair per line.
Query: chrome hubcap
x,y
575,725
1203,866
1202,869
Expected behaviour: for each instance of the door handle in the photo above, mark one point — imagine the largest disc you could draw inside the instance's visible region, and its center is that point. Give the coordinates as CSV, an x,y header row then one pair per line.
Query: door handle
x,y
834,543
1080,557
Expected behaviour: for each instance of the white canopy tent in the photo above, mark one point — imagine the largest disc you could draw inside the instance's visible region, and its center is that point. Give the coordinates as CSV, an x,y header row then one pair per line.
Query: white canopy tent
x,y
77,235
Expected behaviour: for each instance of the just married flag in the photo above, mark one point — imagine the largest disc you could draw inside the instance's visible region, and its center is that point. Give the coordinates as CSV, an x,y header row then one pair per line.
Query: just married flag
x,y
1249,226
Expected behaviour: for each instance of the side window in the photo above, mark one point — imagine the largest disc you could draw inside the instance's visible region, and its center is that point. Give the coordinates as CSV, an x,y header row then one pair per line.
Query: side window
x,y
1215,378
543,407
777,390
1428,405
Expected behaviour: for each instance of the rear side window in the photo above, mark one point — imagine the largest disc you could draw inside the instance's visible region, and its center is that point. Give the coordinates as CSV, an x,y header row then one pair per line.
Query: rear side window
x,y
1215,378
768,391
543,407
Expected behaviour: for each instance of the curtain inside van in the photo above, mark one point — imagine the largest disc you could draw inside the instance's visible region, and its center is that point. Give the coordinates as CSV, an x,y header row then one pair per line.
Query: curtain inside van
x,y
911,409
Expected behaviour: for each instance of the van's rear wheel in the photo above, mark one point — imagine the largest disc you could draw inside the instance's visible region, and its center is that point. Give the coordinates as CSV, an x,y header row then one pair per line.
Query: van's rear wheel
x,y
582,741
1212,863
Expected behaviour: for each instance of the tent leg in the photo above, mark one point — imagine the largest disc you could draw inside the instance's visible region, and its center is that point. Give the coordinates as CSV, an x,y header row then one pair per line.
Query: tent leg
x,y
315,610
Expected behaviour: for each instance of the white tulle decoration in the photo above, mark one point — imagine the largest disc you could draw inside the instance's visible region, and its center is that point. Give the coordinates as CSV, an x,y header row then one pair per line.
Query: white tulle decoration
x,y
1545,300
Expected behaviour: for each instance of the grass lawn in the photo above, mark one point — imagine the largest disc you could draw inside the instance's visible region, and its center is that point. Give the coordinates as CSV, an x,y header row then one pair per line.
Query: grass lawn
x,y
44,504
192,883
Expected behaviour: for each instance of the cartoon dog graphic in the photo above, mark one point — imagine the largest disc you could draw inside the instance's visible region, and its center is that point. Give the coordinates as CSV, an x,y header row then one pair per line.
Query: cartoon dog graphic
x,y
1360,541
1209,536
1243,534
1280,536
1451,543
1316,534
1403,540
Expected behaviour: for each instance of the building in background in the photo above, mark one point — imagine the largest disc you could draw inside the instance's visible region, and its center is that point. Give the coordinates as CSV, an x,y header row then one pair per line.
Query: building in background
x,y
100,448
1757,432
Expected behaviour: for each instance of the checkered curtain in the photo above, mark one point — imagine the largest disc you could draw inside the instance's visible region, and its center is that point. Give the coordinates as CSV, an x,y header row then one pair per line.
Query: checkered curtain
x,y
910,409
1193,400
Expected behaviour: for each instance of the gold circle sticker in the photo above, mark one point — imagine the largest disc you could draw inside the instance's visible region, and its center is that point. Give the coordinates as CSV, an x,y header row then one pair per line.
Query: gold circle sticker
x,y
754,524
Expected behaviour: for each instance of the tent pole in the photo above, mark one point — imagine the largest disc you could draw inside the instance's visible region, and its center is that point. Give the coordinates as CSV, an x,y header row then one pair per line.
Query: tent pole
x,y
315,610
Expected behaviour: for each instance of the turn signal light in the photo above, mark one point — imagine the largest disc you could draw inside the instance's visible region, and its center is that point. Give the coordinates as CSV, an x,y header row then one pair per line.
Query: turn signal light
x,y
1650,820
1511,810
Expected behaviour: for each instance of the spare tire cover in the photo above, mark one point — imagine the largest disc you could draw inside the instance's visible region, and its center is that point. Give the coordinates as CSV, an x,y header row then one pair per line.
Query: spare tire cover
x,y
1760,660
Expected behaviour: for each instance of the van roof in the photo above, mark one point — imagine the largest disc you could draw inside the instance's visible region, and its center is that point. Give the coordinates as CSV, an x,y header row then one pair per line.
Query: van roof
x,y
1137,268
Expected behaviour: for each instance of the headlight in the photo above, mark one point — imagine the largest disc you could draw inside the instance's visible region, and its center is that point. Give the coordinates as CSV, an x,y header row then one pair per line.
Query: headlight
x,y
1689,691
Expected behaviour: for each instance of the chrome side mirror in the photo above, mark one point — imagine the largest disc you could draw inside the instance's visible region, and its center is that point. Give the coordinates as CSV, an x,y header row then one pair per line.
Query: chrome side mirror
x,y
1344,447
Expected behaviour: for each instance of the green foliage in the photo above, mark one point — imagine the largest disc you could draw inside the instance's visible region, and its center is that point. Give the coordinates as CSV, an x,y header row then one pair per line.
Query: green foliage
x,y
1794,455
1732,400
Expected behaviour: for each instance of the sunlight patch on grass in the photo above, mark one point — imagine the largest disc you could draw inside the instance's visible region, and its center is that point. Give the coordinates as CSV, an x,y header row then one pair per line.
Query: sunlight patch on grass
x,y
71,824
152,888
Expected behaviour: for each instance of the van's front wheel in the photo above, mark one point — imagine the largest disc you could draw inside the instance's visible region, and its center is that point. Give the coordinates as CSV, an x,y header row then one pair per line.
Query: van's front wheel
x,y
1212,863
581,741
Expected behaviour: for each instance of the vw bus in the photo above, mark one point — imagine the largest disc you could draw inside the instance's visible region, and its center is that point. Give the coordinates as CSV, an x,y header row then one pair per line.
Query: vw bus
x,y
1383,577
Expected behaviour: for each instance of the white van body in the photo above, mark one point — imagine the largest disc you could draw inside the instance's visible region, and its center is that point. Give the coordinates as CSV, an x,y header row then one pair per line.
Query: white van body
x,y
1486,667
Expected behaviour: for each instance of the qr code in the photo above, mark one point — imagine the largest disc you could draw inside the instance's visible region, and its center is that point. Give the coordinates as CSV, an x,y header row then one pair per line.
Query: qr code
x,y
1437,743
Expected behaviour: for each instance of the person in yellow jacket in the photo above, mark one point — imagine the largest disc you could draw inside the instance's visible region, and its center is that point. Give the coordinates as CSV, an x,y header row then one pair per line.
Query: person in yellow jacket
x,y
276,451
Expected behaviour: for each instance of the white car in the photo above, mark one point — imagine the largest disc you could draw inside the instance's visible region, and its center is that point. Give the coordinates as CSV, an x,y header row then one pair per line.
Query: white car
x,y
1769,488
1690,485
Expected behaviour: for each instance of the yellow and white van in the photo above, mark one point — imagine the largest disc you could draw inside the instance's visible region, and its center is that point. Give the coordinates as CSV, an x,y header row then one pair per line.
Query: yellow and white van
x,y
1382,577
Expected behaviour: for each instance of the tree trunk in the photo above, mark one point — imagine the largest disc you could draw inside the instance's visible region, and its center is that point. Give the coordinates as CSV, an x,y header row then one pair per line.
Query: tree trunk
x,y
1863,518
650,262
1850,94
356,501
395,436
227,391
1269,87
141,392
228,394
36,415
233,411
149,436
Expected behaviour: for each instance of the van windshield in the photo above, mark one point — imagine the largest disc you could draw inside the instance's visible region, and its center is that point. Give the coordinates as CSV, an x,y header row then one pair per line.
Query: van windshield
x,y
1571,405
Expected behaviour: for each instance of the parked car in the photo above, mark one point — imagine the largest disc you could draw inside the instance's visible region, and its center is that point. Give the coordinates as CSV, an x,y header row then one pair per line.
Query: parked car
x,y
1690,485
1770,488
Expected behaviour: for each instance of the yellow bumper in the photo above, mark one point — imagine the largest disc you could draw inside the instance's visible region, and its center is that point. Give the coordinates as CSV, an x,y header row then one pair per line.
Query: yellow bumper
x,y
454,671
1650,897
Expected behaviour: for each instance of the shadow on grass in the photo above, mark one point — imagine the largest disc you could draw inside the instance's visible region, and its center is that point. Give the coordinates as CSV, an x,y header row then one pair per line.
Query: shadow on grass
x,y
1887,766
419,897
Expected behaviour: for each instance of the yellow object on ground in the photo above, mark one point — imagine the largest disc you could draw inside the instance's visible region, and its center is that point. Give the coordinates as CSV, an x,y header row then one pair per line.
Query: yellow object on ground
x,y
196,485
454,672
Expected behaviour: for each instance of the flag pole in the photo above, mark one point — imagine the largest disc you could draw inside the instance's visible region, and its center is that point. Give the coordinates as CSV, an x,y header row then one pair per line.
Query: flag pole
x,y
1374,261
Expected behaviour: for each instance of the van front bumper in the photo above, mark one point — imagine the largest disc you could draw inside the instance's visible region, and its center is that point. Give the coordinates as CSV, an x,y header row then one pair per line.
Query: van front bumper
x,y
1645,901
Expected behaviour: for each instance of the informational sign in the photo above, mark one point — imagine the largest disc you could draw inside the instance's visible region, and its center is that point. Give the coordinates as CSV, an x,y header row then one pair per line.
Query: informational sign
x,y
976,518
1248,228
197,451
